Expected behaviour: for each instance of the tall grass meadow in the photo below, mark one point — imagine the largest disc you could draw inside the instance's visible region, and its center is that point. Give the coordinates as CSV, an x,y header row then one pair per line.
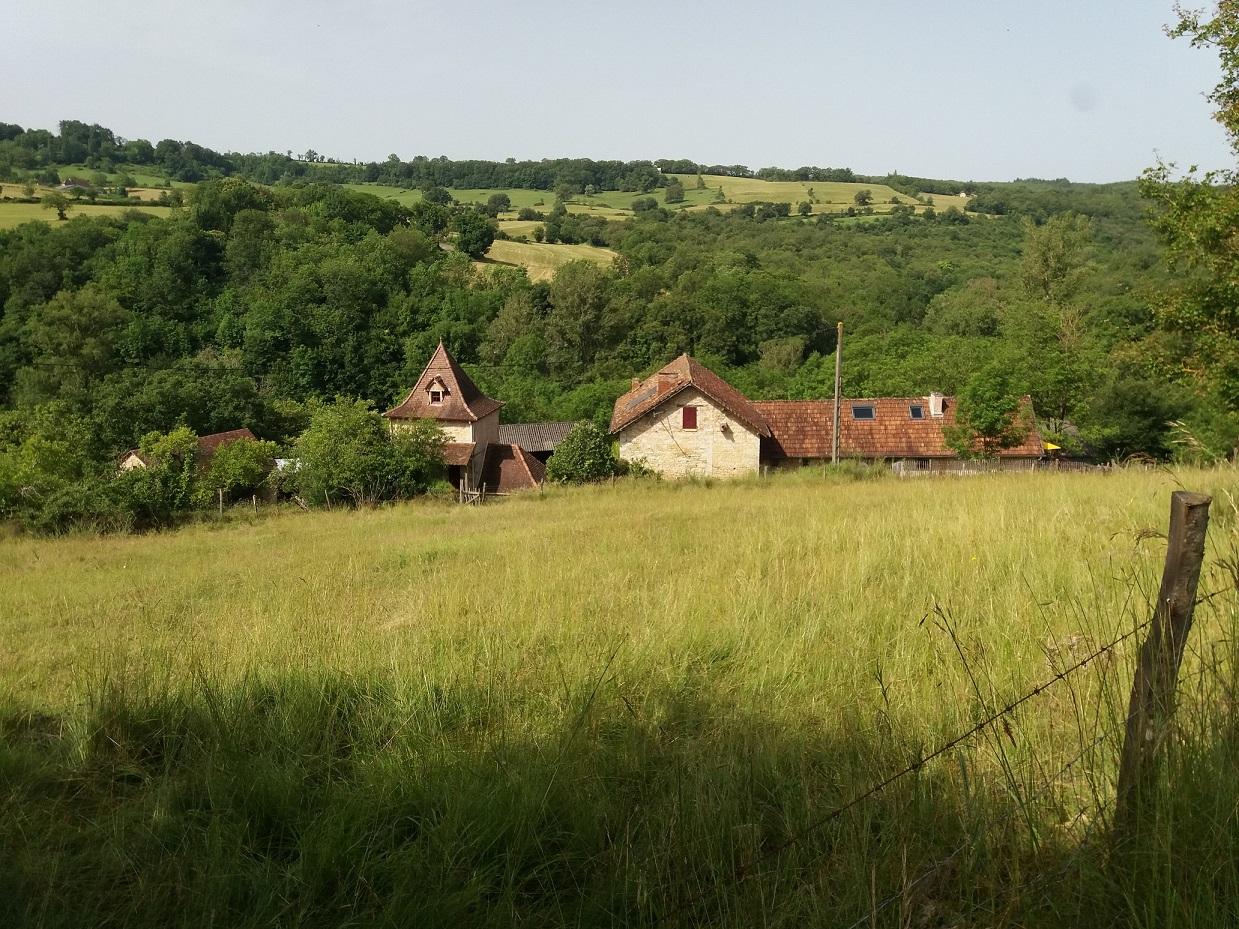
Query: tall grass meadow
x,y
623,705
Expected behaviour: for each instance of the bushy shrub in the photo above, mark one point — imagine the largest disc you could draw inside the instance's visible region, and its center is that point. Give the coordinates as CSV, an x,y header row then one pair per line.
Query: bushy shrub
x,y
238,469
583,456
161,493
348,454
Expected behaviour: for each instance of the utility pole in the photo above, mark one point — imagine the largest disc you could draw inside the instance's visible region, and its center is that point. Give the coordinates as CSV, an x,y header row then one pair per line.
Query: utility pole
x,y
834,439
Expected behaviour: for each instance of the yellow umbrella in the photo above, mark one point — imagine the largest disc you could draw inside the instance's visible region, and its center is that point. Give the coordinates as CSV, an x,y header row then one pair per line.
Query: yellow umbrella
x,y
1051,447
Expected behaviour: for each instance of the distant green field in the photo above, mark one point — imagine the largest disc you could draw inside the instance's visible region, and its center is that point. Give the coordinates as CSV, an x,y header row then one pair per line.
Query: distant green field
x,y
538,199
140,173
14,214
541,261
826,196
831,196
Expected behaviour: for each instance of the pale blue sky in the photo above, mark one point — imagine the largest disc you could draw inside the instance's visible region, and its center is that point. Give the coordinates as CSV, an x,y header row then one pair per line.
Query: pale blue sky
x,y
1090,89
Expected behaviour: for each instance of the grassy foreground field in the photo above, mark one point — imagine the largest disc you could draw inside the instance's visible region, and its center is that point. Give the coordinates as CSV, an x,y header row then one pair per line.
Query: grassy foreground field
x,y
613,706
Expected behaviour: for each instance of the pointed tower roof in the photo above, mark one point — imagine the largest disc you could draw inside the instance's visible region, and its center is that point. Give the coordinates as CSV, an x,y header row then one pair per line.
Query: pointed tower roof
x,y
461,400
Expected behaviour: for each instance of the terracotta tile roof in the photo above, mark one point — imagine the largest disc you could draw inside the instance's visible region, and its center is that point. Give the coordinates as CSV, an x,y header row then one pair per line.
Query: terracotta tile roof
x,y
208,445
534,437
802,429
462,401
510,468
458,453
679,375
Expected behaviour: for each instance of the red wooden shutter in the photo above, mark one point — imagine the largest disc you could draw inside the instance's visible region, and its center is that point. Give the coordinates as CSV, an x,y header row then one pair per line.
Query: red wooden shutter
x,y
690,417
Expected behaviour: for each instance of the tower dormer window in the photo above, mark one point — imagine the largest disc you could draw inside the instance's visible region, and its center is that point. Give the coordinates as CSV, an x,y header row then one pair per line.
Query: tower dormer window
x,y
436,397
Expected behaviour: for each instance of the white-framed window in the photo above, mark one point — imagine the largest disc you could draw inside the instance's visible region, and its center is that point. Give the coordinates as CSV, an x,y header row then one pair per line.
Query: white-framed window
x,y
916,411
436,397
864,411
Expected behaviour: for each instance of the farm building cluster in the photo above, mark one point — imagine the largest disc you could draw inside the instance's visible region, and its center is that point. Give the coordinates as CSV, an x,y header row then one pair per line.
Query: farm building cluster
x,y
682,421
686,421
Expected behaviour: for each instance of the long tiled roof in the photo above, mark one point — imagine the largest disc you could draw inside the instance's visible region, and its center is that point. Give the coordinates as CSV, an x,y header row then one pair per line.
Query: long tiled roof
x,y
535,437
679,375
462,400
803,429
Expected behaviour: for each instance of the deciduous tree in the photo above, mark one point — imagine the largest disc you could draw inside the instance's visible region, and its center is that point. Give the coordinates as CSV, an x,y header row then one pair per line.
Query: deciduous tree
x,y
55,200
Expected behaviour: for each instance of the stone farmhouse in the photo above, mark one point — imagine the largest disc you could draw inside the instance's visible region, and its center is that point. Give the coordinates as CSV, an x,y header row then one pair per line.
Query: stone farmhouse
x,y
685,420
476,453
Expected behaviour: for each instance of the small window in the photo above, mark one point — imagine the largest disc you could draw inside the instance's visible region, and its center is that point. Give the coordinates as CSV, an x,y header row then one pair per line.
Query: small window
x,y
690,417
916,411
863,411
436,396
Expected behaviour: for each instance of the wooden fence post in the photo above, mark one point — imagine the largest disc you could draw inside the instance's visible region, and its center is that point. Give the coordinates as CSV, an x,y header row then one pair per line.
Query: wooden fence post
x,y
1157,673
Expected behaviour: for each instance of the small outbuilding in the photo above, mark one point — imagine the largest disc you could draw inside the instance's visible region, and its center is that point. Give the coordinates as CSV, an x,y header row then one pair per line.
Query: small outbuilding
x,y
208,445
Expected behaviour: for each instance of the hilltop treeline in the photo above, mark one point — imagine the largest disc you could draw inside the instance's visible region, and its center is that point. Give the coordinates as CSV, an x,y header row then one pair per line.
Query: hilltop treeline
x,y
38,151
39,154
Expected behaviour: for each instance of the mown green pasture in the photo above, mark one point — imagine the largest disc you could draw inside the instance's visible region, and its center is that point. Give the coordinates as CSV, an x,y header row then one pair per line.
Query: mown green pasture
x,y
634,704
826,197
831,196
14,214
541,260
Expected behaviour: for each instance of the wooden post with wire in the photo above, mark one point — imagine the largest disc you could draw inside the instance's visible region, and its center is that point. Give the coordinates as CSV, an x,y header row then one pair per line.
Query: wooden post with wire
x,y
834,436
1151,706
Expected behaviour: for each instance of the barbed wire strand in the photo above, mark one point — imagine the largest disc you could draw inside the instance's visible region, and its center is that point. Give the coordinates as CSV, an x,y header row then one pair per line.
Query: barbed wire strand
x,y
744,870
937,866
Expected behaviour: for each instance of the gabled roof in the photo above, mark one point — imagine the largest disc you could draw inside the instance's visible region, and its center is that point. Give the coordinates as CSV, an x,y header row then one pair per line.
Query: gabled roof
x,y
535,437
803,428
509,468
463,402
679,375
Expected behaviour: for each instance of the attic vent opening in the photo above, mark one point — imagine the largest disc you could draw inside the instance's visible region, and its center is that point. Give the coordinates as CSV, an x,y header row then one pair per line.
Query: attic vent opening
x,y
863,411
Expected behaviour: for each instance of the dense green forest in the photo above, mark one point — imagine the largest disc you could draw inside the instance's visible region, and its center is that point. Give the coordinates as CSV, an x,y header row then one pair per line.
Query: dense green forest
x,y
257,302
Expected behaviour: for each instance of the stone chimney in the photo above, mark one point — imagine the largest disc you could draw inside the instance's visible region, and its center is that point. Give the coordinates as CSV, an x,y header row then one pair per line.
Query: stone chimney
x,y
935,404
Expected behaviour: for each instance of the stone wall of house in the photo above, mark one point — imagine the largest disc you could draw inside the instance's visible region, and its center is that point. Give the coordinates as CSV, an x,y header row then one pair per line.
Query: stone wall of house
x,y
720,446
485,430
